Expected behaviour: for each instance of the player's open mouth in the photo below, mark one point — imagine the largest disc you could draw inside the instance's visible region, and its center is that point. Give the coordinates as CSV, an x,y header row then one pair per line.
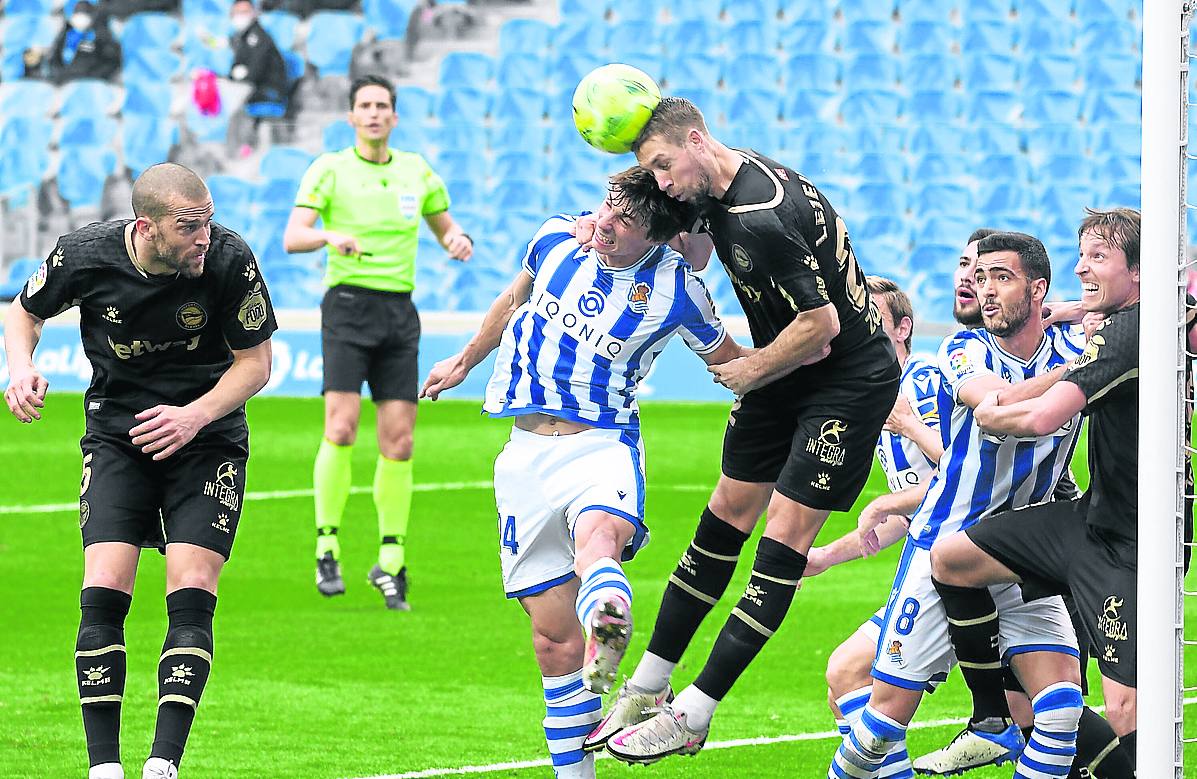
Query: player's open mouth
x,y
991,309
1088,288
965,295
601,242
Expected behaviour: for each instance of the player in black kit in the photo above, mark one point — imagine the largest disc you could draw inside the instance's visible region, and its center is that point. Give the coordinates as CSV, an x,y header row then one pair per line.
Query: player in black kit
x,y
176,322
800,440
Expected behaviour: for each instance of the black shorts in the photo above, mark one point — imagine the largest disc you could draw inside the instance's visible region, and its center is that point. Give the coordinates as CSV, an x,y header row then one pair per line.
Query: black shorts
x,y
1054,551
192,497
815,439
371,336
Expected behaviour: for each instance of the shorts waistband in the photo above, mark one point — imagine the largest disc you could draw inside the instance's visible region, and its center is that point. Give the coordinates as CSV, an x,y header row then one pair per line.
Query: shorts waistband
x,y
366,291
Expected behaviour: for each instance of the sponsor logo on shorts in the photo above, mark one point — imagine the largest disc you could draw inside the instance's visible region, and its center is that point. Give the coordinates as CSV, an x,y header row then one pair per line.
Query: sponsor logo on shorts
x,y
827,446
96,676
84,513
224,489
222,523
740,258
894,650
178,675
38,279
191,316
822,482
252,312
638,297
1110,623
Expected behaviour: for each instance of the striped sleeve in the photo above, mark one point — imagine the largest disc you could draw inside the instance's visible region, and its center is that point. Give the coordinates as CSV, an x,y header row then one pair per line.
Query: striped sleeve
x,y
962,358
701,328
923,392
555,230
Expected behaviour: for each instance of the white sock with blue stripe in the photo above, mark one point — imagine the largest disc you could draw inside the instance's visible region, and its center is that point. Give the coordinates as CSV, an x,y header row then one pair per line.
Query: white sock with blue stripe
x,y
1052,746
866,746
897,762
571,712
604,579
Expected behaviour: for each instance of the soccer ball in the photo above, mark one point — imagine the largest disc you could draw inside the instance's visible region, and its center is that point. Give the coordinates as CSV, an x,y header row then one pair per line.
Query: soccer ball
x,y
612,104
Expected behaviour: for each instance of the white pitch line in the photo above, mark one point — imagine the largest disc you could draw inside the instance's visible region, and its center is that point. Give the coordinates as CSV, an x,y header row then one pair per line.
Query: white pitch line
x,y
446,486
731,744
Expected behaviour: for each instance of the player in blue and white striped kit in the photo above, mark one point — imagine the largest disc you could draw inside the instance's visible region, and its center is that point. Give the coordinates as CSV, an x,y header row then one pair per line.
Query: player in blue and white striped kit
x,y
576,333
979,475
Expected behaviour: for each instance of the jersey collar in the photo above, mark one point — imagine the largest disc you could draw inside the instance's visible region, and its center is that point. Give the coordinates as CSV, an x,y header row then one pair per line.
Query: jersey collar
x,y
634,266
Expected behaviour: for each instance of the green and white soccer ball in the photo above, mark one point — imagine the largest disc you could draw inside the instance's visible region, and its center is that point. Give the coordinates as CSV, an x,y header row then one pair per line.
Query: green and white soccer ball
x,y
612,104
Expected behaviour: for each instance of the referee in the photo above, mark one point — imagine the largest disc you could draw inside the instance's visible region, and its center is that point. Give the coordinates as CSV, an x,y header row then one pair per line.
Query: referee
x,y
370,198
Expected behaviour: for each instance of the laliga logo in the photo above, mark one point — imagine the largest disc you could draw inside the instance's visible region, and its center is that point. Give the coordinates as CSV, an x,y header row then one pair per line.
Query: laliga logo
x,y
591,303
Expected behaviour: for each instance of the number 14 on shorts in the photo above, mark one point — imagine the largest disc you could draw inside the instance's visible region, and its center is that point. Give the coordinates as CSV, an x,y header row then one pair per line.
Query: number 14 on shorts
x,y
507,535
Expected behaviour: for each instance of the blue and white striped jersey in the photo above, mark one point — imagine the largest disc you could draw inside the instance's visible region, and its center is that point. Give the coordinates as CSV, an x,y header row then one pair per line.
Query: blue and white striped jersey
x,y
981,474
904,463
589,333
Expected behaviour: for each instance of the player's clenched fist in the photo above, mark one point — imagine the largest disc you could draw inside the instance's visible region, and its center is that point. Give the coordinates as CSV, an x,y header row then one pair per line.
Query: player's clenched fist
x,y
26,393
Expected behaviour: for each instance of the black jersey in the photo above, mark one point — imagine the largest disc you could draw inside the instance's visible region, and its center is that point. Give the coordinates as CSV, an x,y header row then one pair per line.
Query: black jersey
x,y
787,251
152,339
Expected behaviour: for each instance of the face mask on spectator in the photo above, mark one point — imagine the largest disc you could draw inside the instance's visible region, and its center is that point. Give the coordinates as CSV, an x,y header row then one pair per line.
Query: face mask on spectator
x,y
241,22
80,22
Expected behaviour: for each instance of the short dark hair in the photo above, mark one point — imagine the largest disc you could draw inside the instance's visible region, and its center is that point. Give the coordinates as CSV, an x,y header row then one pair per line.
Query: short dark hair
x,y
157,184
370,81
1029,249
1118,227
672,119
636,192
895,298
979,233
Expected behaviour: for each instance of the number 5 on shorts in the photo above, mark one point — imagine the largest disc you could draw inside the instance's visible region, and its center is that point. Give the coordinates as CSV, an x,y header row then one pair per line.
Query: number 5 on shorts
x,y
507,536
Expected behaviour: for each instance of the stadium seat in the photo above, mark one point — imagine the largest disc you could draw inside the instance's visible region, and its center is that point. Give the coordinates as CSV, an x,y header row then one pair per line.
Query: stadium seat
x,y
146,140
881,166
879,198
1052,107
812,71
205,44
574,162
81,175
1113,70
22,165
387,18
1050,72
991,70
707,11
153,31
142,100
816,137
690,70
520,165
871,71
766,11
1120,167
752,69
693,35
275,197
870,37
463,104
469,69
525,193
193,8
592,11
413,136
230,194
1102,35
975,11
1067,201
525,69
628,36
464,135
87,98
945,225
1108,10
821,167
927,10
451,164
870,105
524,35
282,28
87,131
800,35
519,136
332,36
1124,194
933,105
943,198
575,195
937,137
1046,35
1117,139
754,105
804,105
761,137
568,67
929,71
518,104
988,36
413,103
1124,107
466,192
284,162
882,227
28,8
938,259
26,97
945,167
989,105
1048,10
21,32
1015,168
1063,168
878,136
998,139
927,36
1045,139
1002,196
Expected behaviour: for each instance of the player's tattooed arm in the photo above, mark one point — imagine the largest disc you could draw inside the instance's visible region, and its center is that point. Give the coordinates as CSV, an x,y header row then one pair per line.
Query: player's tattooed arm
x,y
451,371
27,387
804,341
905,422
164,430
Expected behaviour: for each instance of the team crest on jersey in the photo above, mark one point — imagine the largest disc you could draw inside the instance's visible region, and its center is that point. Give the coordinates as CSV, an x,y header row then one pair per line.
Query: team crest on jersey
x,y
191,316
407,205
252,313
781,174
740,258
638,295
37,280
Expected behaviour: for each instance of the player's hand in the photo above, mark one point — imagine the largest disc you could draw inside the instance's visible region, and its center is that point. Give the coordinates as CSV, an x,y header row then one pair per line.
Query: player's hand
x,y
1057,312
1091,322
583,231
446,374
26,393
871,517
459,246
986,410
901,417
346,245
817,561
166,429
739,375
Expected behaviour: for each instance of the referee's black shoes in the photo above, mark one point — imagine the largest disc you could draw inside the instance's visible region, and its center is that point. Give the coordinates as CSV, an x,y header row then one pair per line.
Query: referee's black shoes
x,y
328,576
393,588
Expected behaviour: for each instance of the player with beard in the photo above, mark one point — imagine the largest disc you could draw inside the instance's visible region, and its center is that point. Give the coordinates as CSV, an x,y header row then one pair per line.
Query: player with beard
x,y
176,322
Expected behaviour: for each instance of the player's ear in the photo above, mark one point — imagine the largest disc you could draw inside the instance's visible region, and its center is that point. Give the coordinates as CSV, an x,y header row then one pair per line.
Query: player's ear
x,y
904,328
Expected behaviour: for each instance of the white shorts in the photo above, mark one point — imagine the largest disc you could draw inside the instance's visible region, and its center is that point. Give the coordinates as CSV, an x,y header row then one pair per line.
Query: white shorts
x,y
544,483
914,648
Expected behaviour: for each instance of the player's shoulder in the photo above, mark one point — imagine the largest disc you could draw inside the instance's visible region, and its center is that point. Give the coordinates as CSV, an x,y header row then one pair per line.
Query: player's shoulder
x,y
964,338
228,253
919,365
94,245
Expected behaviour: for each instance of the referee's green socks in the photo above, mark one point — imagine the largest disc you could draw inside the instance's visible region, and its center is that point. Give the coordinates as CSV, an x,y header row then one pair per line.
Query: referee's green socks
x,y
100,669
392,500
331,478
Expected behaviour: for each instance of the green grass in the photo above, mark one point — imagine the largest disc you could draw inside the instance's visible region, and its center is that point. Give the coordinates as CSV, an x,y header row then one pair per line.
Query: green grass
x,y
306,687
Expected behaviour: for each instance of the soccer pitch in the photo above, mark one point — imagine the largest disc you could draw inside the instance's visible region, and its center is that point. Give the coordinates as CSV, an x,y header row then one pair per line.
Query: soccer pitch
x,y
308,688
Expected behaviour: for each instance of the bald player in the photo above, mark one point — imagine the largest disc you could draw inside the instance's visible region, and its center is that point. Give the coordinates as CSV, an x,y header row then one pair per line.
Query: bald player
x,y
176,323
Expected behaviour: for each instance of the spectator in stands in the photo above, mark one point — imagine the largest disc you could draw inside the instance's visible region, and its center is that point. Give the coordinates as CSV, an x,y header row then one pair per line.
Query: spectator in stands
x,y
122,8
258,63
421,17
84,47
306,7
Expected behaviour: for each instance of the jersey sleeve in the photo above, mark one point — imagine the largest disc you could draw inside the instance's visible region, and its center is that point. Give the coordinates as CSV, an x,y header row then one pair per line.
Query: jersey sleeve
x,y
246,314
1071,338
555,230
317,185
701,327
436,195
962,358
923,392
1110,358
50,289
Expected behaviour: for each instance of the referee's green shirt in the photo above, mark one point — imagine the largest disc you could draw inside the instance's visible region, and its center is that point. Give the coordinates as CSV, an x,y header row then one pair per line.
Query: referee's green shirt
x,y
379,204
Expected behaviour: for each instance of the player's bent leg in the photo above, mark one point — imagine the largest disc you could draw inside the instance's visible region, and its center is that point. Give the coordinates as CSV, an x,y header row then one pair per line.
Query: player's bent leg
x,y
1053,680
332,476
957,560
604,602
392,493
571,711
868,749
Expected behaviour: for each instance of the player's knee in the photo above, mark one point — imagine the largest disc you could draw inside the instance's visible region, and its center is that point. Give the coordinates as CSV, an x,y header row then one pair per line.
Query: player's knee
x,y
1058,708
199,578
847,670
739,511
947,565
397,446
341,432
552,650
109,578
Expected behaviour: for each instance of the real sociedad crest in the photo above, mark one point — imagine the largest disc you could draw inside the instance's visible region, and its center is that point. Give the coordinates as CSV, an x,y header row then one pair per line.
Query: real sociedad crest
x,y
638,297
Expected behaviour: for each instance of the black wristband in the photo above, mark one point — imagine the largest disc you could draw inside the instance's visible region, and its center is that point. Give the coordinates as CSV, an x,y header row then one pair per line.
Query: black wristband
x,y
468,237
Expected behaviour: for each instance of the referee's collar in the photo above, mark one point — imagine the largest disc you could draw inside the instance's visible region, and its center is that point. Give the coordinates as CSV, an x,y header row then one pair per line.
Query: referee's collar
x,y
390,157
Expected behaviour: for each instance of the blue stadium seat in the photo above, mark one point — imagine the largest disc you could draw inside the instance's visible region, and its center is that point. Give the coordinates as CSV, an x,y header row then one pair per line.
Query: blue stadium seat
x,y
882,198
988,105
520,165
761,137
1067,201
805,105
142,100
589,11
1051,10
412,136
1063,168
805,35
647,11
871,105
154,31
206,129
1113,70
883,227
1052,107
526,69
1046,35
1013,167
463,104
991,70
1049,72
929,71
275,197
81,175
566,68
284,162
524,35
870,10
998,139
468,69
22,165
752,69
87,98
331,39
1102,35
820,167
813,136
975,11
205,44
87,131
1113,106
648,60
927,36
387,18
943,198
281,27
689,70
983,36
946,167
629,36
338,135
1108,10
1125,193
1118,139
878,136
22,32
937,259
525,193
26,97
758,10
1120,167
18,273
933,105
464,135
936,138
230,194
466,192
695,35
413,103
812,71
754,105
871,71
927,10
574,195
870,37
1003,197
28,7
193,8
519,136
146,140
881,166
518,104
451,164
581,163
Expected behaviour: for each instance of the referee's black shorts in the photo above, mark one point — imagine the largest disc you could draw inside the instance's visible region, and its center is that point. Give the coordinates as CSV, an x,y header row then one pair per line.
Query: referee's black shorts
x,y
194,496
814,437
370,336
1054,551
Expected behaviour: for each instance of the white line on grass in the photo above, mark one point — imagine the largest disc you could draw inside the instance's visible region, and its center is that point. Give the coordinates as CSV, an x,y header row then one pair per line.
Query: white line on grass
x,y
732,744
445,486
